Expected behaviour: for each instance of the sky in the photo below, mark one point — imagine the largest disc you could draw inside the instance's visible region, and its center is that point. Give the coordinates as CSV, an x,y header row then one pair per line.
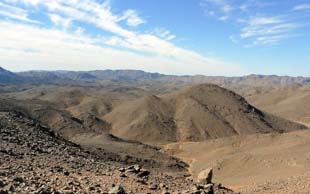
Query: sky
x,y
180,37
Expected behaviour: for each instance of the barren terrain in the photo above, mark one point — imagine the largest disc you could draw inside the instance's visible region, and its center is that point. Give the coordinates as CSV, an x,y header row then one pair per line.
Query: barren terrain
x,y
89,129
289,102
35,160
270,163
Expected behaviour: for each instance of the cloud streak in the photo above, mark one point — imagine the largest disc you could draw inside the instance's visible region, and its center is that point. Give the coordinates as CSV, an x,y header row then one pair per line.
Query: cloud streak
x,y
302,7
221,9
119,47
132,18
258,25
60,21
15,13
268,30
61,50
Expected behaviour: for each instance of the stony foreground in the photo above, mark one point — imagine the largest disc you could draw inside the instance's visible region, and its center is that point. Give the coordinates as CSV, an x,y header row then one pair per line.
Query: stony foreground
x,y
35,160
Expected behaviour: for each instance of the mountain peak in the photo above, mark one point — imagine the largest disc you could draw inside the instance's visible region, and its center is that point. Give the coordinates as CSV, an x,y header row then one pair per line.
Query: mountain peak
x,y
2,69
5,72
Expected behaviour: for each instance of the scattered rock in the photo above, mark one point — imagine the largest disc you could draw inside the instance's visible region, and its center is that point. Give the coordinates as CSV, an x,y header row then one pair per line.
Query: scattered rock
x,y
122,169
42,163
9,187
141,181
66,173
133,169
3,173
208,188
2,184
161,185
117,190
153,187
18,179
143,173
91,188
205,176
137,167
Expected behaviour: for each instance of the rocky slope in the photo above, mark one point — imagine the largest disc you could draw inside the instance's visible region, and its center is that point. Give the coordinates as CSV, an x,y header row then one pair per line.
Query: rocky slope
x,y
196,113
290,102
35,160
83,133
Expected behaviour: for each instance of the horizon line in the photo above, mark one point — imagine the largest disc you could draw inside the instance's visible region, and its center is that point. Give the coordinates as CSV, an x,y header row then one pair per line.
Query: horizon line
x,y
164,74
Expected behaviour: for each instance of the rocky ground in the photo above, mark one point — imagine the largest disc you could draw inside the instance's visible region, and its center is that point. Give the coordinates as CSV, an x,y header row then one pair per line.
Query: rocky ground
x,y
35,160
295,184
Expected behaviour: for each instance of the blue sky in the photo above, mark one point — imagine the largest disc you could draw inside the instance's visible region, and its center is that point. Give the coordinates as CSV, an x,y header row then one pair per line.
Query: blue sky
x,y
211,37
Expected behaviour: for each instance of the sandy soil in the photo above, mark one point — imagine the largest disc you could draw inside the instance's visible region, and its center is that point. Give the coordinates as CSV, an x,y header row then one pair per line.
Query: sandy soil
x,y
272,163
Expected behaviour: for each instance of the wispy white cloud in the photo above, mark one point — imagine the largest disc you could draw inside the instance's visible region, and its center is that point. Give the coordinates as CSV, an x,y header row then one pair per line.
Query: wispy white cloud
x,y
60,21
223,5
132,18
219,8
302,7
26,2
233,39
62,50
268,30
263,26
259,21
124,48
16,13
164,33
273,39
257,25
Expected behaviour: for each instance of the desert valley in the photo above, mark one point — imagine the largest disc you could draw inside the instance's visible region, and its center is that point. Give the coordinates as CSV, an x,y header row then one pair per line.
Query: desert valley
x,y
154,97
128,131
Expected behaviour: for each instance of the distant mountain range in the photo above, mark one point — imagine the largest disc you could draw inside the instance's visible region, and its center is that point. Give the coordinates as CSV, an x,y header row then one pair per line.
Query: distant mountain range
x,y
141,77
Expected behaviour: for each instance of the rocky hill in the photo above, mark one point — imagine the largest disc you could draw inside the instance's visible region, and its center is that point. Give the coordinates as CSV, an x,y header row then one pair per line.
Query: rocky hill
x,y
196,113
93,133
